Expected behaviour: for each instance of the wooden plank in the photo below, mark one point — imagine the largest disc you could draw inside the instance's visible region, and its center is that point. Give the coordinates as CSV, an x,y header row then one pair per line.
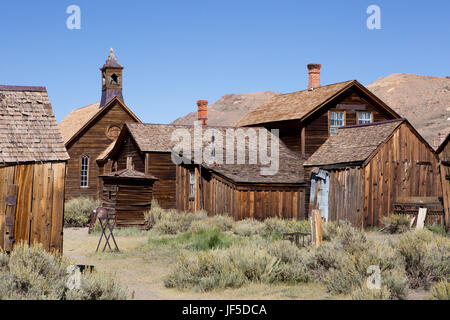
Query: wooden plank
x,y
57,216
10,215
24,178
6,178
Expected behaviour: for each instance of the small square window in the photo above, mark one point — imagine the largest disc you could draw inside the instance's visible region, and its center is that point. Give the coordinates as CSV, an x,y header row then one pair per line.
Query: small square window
x,y
364,117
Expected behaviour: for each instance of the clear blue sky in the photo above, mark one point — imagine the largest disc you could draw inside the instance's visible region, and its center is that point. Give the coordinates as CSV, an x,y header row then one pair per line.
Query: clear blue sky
x,y
176,52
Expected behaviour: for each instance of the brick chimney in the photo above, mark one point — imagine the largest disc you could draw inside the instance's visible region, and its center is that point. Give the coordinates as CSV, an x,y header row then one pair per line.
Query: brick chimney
x,y
314,76
202,112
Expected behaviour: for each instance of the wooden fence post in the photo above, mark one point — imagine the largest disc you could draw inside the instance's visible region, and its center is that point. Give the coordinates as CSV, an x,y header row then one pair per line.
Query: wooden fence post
x,y
316,227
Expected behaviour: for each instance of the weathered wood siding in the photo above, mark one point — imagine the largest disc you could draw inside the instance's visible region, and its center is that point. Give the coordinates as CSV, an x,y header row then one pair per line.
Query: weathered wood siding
x,y
128,200
40,203
92,143
444,158
402,167
220,196
130,149
160,165
346,201
317,129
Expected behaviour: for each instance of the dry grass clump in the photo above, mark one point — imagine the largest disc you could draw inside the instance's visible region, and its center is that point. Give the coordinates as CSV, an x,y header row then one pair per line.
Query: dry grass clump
x,y
174,222
364,293
154,214
441,291
78,210
426,257
247,227
219,222
275,227
395,224
31,273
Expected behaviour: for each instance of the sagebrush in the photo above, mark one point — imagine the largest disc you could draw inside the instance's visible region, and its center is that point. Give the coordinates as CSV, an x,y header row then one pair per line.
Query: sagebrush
x,y
78,210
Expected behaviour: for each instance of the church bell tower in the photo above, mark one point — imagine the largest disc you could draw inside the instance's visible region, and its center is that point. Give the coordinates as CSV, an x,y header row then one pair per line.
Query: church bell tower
x,y
111,79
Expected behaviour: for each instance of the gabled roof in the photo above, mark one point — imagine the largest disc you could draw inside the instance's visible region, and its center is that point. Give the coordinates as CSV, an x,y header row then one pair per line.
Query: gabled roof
x,y
353,144
300,105
158,138
28,129
78,120
443,144
129,174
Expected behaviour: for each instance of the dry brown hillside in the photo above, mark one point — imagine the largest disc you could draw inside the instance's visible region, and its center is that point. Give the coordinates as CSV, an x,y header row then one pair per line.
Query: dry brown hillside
x,y
424,101
230,108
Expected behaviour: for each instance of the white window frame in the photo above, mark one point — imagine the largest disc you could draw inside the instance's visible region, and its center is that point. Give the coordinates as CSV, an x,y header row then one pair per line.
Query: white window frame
x,y
364,121
84,172
333,128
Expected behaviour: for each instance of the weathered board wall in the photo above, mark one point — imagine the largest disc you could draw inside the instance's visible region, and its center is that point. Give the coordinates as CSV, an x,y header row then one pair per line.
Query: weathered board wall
x,y
160,165
40,203
92,143
444,158
128,200
403,167
220,196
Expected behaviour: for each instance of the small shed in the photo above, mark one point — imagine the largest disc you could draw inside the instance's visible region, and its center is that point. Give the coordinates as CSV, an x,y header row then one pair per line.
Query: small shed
x,y
32,169
361,171
127,194
444,159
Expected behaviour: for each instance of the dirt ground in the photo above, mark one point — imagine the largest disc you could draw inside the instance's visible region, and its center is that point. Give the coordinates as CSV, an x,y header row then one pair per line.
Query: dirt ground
x,y
142,271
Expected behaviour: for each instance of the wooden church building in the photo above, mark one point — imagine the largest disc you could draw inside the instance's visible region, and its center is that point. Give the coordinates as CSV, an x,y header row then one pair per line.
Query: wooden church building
x,y
88,131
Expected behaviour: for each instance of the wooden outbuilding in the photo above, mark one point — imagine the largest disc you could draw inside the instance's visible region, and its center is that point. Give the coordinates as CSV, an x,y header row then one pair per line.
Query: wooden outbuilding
x,y
145,148
128,195
89,130
444,157
32,169
361,171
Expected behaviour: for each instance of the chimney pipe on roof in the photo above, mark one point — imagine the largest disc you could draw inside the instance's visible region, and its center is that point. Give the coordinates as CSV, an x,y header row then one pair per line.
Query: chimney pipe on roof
x,y
314,76
202,112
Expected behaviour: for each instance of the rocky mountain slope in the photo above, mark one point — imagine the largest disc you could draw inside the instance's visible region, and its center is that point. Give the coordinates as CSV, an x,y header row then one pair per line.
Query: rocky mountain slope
x,y
423,100
230,108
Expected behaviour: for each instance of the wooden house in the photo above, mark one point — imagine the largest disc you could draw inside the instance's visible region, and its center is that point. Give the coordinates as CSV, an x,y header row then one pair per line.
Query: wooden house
x,y
127,194
240,190
32,169
307,118
243,190
444,157
88,131
361,171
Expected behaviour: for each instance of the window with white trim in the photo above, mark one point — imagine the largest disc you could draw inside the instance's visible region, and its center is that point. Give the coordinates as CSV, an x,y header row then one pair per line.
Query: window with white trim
x,y
364,117
192,184
337,120
84,173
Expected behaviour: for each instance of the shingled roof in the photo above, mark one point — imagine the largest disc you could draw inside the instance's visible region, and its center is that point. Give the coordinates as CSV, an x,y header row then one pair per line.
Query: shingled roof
x,y
158,138
78,119
353,144
129,174
28,129
301,104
